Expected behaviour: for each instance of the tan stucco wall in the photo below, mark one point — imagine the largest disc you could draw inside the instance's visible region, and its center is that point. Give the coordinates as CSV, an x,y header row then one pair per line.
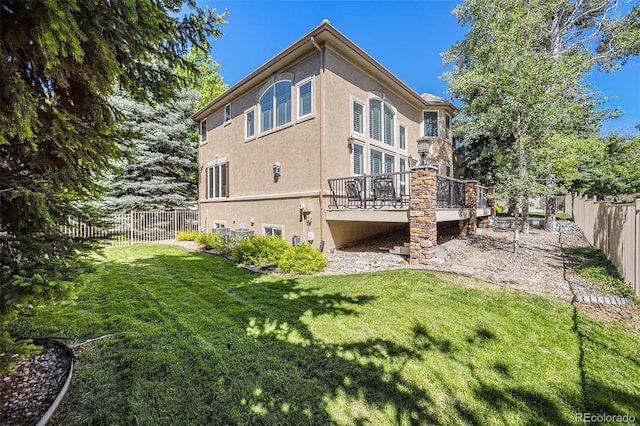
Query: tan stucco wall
x,y
294,146
253,193
277,211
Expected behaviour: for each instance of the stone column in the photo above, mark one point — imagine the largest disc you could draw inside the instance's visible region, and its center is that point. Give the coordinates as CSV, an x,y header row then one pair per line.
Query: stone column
x,y
422,216
471,203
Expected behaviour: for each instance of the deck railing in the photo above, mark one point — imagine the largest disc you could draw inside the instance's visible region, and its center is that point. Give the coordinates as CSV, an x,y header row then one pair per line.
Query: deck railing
x,y
450,192
392,190
384,190
482,196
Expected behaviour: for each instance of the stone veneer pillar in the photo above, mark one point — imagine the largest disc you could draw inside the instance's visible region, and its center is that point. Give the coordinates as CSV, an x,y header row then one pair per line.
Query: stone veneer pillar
x,y
423,229
471,203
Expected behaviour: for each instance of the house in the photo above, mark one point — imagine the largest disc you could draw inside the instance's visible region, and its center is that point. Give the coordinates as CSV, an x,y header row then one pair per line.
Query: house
x,y
290,149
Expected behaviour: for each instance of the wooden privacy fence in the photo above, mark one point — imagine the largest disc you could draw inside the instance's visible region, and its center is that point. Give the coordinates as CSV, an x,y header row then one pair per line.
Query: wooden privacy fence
x,y
614,229
139,227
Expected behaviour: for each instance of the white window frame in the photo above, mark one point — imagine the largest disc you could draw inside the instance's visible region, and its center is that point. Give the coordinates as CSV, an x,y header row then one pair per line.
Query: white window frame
x,y
447,126
273,228
403,166
274,116
401,145
362,160
422,124
203,131
214,181
299,99
364,114
383,127
246,123
227,113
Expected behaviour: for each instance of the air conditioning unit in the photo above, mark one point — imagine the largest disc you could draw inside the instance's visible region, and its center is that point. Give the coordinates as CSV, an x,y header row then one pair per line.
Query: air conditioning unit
x,y
222,231
241,234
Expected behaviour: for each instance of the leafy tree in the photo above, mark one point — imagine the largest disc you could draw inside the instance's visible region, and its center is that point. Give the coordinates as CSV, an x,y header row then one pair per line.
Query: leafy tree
x,y
60,61
613,170
621,39
205,79
162,163
519,73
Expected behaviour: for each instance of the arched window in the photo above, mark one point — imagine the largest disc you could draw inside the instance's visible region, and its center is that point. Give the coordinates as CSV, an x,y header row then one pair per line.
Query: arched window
x,y
275,106
381,122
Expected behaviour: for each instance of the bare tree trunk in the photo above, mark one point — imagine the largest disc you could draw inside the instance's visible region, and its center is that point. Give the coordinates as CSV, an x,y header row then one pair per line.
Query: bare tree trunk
x,y
516,235
550,206
525,215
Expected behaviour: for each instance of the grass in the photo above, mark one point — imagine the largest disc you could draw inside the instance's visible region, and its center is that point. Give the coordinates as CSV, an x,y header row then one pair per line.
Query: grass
x,y
538,214
596,268
197,340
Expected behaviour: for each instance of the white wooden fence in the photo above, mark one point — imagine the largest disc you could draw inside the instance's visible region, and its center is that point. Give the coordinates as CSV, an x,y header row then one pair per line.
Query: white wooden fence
x,y
614,229
139,227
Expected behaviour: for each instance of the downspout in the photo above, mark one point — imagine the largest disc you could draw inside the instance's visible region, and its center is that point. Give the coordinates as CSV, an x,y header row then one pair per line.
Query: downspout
x,y
322,136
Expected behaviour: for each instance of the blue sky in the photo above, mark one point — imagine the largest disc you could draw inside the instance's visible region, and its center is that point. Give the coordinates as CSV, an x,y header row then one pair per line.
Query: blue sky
x,y
257,30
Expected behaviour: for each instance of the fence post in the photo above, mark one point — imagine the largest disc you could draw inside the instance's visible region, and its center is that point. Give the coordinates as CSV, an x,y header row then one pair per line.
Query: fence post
x,y
636,256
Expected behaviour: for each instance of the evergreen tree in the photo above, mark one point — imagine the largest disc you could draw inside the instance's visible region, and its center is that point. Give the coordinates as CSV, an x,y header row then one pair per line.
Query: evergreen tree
x,y
161,171
58,133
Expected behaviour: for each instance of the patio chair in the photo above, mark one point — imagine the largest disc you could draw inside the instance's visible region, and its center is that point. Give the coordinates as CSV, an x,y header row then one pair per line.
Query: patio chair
x,y
354,191
383,190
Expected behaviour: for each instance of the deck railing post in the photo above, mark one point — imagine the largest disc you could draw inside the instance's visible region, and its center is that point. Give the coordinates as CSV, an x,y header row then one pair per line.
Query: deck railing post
x,y
422,216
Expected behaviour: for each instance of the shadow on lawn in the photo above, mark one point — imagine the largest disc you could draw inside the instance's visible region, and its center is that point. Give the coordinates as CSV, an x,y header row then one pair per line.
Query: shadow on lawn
x,y
265,364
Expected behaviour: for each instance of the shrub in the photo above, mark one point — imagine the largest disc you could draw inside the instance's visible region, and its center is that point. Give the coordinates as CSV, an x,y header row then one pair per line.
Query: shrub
x,y
499,209
215,241
302,259
187,235
261,250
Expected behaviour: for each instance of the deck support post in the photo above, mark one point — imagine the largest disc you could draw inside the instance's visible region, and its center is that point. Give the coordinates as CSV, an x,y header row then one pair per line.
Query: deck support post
x,y
422,216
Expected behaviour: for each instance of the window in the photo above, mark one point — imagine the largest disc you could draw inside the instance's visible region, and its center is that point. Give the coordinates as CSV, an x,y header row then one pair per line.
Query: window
x,y
381,122
275,106
358,159
389,120
430,120
376,162
203,130
389,163
227,113
358,117
375,119
448,171
305,97
250,121
447,126
403,137
403,177
274,230
217,177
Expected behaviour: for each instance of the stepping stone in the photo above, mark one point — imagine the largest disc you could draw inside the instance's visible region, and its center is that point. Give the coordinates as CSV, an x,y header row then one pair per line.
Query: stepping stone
x,y
603,300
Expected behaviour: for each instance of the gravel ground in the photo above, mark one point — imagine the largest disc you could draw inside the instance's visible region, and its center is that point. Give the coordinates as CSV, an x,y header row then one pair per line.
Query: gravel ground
x,y
27,395
538,268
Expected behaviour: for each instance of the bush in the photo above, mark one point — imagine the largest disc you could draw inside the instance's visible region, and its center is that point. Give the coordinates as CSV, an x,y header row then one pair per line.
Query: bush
x,y
302,259
215,241
187,235
261,250
499,209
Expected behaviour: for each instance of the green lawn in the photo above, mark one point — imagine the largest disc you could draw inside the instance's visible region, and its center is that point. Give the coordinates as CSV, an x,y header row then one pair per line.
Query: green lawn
x,y
198,341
